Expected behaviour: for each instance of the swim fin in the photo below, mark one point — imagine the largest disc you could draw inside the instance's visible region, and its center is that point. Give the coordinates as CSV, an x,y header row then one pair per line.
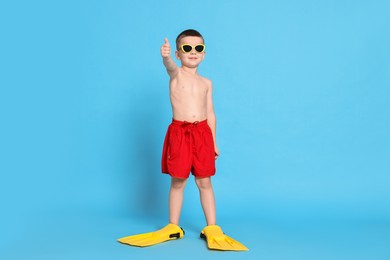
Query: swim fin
x,y
169,232
217,240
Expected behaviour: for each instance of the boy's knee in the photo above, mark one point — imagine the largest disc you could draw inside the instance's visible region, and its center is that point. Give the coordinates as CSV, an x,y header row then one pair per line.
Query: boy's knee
x,y
203,183
177,183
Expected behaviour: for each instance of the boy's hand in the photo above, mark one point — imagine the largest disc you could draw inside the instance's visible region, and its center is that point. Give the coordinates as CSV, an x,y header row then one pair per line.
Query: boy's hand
x,y
216,152
166,49
171,66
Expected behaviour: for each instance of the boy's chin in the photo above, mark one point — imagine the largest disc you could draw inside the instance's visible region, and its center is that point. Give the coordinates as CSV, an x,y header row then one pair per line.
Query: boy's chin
x,y
189,65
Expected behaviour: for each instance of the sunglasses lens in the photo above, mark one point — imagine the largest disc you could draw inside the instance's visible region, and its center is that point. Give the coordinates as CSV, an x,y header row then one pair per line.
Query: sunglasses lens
x,y
187,48
199,48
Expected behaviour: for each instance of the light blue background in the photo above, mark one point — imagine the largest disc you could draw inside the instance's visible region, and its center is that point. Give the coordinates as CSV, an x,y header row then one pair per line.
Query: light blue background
x,y
301,93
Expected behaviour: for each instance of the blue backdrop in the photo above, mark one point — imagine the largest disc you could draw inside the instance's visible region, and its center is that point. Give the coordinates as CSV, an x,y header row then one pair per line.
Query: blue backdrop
x,y
301,93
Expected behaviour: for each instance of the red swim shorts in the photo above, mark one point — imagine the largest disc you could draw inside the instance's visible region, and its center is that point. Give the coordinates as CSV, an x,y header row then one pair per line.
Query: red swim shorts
x,y
188,147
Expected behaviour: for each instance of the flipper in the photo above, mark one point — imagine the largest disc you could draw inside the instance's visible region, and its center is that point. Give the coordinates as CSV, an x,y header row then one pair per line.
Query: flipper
x,y
169,232
217,240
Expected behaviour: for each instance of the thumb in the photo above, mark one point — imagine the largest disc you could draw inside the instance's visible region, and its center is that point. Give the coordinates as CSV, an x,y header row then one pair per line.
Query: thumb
x,y
166,41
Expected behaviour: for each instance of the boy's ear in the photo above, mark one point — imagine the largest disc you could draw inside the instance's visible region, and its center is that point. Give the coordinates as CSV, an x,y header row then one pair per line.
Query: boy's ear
x,y
177,55
204,54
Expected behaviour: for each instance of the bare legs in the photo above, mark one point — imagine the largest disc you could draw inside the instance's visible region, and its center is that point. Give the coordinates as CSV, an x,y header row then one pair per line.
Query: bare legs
x,y
176,195
207,200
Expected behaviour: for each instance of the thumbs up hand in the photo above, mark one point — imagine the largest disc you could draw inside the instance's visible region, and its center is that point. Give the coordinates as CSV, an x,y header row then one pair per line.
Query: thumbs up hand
x,y
166,49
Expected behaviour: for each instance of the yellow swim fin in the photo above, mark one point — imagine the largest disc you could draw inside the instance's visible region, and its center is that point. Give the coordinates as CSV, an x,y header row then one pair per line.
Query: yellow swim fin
x,y
169,232
217,240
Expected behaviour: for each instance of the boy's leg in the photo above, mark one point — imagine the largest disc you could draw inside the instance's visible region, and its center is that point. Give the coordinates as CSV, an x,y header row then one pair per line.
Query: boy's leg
x,y
207,199
176,195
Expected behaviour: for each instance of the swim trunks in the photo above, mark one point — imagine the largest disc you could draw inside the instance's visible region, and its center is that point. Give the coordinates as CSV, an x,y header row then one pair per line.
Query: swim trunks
x,y
188,147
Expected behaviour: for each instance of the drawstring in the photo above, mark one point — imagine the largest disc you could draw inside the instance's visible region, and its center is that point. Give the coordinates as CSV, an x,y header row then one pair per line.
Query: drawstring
x,y
188,126
185,124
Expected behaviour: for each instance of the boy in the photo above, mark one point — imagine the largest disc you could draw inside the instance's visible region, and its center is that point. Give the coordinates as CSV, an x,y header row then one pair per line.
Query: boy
x,y
190,143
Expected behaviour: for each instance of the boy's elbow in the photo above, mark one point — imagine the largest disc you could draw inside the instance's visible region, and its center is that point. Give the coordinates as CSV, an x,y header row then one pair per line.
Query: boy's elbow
x,y
172,71
211,115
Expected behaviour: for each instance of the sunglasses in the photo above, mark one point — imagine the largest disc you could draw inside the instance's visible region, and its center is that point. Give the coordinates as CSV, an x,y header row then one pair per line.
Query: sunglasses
x,y
186,48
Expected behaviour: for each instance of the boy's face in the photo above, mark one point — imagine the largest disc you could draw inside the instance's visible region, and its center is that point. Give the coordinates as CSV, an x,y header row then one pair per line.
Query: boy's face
x,y
193,58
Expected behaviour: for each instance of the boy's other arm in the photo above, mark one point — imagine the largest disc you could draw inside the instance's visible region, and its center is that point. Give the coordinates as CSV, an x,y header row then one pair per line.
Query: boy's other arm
x,y
211,118
171,66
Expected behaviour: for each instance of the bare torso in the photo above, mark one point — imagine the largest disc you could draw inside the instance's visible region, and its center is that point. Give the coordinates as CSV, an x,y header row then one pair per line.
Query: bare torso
x,y
188,94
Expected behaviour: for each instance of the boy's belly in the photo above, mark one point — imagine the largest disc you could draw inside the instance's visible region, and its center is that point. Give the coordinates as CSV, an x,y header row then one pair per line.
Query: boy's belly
x,y
189,112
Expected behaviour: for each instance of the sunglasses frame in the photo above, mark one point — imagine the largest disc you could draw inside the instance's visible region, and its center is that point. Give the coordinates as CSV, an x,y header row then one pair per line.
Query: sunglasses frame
x,y
193,48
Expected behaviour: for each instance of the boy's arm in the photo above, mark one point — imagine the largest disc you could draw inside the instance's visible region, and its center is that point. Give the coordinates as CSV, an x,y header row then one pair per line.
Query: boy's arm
x,y
211,118
171,66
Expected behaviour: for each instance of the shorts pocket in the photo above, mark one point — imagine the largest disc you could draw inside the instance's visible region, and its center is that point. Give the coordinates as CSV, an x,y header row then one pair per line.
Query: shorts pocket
x,y
174,143
208,139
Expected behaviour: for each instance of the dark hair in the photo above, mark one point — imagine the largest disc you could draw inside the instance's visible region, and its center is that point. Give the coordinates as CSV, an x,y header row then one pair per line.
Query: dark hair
x,y
189,32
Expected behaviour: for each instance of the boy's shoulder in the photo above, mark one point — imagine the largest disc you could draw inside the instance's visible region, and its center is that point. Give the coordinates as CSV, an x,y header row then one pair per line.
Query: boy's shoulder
x,y
206,80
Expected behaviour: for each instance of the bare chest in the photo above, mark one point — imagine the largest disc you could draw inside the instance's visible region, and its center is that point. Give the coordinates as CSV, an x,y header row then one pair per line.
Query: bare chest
x,y
185,87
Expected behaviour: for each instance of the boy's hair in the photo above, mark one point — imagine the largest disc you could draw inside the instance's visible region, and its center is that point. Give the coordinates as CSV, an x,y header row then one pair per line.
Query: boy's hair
x,y
189,32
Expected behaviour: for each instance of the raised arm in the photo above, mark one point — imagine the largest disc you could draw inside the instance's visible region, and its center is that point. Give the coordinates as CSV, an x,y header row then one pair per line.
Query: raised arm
x,y
171,66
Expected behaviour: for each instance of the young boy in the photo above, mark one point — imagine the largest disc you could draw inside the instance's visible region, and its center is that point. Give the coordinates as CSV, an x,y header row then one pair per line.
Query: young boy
x,y
190,143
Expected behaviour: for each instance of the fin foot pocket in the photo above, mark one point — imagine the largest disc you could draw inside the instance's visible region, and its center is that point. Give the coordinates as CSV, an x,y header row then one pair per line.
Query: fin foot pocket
x,y
217,240
169,232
